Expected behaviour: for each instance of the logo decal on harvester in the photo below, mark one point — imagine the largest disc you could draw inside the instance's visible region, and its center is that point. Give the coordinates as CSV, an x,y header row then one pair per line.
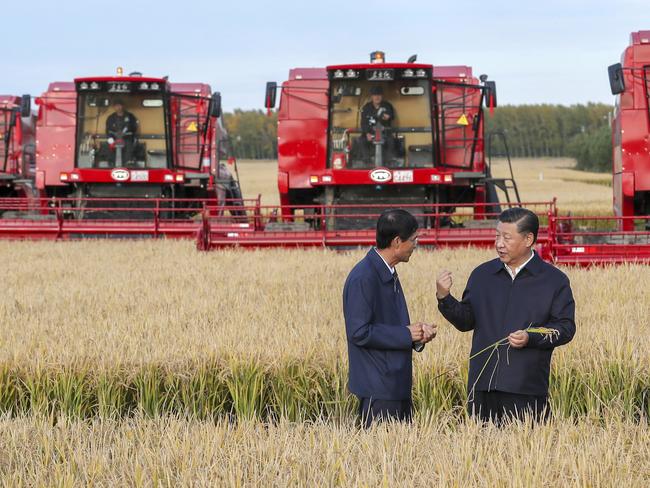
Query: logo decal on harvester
x,y
381,175
120,174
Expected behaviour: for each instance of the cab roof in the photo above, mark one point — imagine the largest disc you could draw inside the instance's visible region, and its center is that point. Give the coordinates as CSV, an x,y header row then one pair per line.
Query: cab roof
x,y
134,79
459,71
379,66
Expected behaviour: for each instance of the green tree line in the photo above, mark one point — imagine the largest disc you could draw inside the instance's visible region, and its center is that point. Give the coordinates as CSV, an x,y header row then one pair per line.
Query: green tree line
x,y
253,134
578,131
532,131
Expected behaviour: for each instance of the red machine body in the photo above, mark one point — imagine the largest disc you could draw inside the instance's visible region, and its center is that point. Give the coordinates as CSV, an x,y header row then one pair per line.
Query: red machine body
x,y
174,152
630,82
437,129
17,146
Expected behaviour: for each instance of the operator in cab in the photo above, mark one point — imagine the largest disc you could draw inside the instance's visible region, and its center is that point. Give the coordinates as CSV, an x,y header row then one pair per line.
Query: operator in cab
x,y
121,128
377,114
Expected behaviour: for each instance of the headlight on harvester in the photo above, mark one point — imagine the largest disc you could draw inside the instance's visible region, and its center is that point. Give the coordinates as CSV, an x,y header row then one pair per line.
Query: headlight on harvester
x,y
180,178
63,176
313,179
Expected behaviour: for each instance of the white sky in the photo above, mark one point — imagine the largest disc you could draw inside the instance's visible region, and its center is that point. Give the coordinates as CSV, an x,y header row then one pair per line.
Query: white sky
x,y
538,52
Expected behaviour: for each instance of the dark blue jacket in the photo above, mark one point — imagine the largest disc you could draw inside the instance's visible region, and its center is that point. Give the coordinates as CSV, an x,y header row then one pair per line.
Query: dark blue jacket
x,y
493,305
379,344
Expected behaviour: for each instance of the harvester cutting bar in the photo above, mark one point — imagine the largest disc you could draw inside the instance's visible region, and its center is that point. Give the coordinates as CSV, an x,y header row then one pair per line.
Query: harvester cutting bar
x,y
587,241
69,218
446,225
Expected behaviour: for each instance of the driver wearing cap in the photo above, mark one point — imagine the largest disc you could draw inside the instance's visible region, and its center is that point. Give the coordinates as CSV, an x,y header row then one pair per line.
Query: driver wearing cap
x,y
122,125
377,114
377,110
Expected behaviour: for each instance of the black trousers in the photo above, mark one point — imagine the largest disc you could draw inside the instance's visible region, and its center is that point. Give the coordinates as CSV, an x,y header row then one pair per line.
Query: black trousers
x,y
372,410
499,406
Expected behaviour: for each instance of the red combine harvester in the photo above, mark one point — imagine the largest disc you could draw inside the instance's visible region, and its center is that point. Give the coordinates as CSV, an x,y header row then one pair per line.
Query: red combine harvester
x,y
17,146
630,81
357,138
624,237
125,155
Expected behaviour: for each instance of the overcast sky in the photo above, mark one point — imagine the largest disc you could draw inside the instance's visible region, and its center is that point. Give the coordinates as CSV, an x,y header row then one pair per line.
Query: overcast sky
x,y
538,52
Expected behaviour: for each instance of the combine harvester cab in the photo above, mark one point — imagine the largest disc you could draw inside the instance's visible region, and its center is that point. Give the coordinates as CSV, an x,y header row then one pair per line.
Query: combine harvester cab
x,y
338,169
17,147
127,155
625,236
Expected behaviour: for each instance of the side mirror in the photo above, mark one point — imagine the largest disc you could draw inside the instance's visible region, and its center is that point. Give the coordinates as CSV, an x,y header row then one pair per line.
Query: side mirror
x,y
25,106
490,93
271,91
215,105
616,81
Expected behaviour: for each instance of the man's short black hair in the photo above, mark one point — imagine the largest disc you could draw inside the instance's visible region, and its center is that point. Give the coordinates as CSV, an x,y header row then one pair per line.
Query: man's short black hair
x,y
527,221
376,90
393,223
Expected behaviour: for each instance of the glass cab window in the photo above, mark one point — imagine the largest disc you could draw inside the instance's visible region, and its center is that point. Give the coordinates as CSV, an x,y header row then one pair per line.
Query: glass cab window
x,y
121,130
380,123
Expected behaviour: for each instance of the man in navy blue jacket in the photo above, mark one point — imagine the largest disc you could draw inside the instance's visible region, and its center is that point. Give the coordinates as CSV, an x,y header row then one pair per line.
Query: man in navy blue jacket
x,y
503,298
379,332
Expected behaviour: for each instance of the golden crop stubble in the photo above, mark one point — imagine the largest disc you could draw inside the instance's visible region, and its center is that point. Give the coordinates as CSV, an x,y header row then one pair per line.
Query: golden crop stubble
x,y
433,453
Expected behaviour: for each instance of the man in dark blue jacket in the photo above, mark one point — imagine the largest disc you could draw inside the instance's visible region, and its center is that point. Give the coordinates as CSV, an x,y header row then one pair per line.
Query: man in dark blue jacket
x,y
503,298
380,339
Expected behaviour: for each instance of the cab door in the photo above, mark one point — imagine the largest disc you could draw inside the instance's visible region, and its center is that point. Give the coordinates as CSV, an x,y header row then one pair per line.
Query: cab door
x,y
460,128
189,127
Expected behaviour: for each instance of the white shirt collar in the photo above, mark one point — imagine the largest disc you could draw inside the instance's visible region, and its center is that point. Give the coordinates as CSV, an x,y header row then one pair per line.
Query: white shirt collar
x,y
514,274
392,270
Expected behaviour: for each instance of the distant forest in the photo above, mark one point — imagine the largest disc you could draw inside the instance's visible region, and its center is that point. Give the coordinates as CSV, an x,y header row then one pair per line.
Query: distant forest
x,y
533,131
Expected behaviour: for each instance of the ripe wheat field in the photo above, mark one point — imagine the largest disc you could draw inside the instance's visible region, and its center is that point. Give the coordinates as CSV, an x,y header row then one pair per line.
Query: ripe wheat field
x,y
149,363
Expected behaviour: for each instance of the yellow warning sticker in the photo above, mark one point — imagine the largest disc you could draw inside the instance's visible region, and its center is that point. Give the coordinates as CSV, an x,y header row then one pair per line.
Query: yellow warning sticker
x,y
191,127
462,120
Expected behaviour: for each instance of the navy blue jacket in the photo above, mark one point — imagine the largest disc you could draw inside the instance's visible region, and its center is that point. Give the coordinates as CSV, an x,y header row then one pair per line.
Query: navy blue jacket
x,y
493,305
379,343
